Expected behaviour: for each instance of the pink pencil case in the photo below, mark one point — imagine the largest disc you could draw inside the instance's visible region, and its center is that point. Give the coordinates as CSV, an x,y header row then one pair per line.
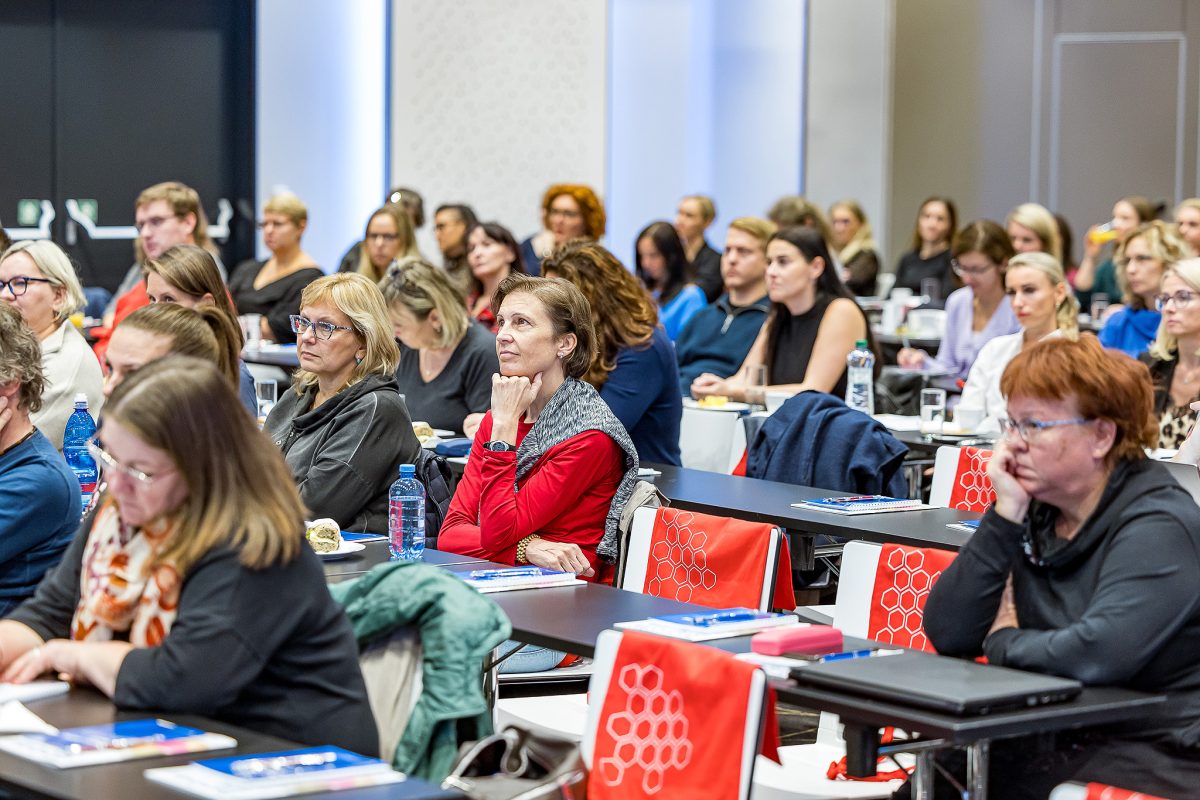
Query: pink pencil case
x,y
813,639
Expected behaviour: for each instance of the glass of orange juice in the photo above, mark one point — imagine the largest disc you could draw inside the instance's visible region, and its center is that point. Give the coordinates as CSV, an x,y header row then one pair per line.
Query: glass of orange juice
x,y
1103,234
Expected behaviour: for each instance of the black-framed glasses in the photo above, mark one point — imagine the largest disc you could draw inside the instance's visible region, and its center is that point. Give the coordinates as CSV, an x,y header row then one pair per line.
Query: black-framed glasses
x,y
323,330
1181,299
962,271
19,285
1030,429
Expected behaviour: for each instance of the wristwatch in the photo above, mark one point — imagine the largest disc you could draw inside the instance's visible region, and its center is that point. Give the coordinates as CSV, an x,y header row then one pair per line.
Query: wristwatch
x,y
499,447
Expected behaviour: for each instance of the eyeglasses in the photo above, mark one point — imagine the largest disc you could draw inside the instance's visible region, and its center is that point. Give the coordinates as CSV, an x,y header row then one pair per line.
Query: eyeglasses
x,y
962,271
1030,429
324,330
108,463
564,213
383,237
1140,258
18,285
150,222
273,223
1181,299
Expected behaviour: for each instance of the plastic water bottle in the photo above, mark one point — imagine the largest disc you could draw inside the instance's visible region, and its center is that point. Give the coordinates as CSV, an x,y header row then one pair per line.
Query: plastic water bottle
x,y
406,516
81,428
860,378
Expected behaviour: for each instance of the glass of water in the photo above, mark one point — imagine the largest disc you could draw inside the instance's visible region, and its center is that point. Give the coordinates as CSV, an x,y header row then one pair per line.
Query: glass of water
x,y
1099,306
267,393
933,411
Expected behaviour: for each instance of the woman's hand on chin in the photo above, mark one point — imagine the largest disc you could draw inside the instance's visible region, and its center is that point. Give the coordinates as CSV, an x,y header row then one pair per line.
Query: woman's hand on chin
x,y
562,556
1012,501
512,396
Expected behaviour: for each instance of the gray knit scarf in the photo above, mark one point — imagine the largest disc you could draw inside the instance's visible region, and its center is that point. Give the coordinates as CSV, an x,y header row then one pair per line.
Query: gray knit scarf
x,y
575,408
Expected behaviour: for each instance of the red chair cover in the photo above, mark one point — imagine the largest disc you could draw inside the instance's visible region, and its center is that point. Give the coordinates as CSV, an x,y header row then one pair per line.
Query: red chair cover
x,y
972,487
903,579
1100,791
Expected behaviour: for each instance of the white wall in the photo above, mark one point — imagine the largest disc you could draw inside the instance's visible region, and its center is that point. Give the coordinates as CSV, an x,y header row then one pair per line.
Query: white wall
x,y
320,133
493,100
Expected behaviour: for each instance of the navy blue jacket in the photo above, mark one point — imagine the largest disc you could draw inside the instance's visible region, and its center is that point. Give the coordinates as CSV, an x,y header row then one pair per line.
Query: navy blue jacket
x,y
717,339
815,439
642,393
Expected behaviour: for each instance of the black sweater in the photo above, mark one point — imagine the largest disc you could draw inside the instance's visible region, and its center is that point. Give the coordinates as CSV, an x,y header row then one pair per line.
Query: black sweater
x,y
267,649
1117,605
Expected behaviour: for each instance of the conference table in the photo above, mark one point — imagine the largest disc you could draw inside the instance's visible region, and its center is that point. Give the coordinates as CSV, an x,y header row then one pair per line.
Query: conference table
x,y
275,355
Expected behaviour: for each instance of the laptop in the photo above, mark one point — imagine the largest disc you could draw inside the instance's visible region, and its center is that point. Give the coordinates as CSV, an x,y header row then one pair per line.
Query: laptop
x,y
939,683
1186,475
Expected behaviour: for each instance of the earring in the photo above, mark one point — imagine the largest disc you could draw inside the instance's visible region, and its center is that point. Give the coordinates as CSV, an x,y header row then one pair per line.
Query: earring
x,y
358,360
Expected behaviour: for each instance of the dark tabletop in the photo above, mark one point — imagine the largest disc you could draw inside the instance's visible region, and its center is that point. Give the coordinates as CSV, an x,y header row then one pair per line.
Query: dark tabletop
x,y
278,357
377,553
124,779
920,443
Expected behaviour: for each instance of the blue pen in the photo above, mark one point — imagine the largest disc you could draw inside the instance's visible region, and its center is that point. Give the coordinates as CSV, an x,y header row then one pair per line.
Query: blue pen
x,y
514,572
846,656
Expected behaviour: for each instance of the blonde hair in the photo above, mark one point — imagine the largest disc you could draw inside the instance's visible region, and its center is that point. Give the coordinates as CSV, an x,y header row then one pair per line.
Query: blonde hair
x,y
404,230
183,200
193,271
1165,346
420,287
1192,203
708,209
240,491
1038,219
1166,246
56,267
358,298
863,239
759,228
290,206
204,332
1066,314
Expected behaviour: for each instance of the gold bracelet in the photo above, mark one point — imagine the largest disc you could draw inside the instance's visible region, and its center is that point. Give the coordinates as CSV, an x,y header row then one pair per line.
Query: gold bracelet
x,y
521,547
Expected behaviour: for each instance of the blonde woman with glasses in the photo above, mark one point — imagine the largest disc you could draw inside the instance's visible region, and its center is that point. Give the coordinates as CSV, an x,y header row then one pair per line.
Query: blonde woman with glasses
x,y
1174,355
1150,250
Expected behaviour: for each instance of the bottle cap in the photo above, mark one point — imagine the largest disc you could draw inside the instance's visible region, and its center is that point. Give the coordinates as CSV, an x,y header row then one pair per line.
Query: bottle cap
x,y
407,470
81,397
861,344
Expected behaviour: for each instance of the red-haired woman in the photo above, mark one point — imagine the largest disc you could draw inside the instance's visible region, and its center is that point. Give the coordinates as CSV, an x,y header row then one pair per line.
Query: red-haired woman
x,y
569,211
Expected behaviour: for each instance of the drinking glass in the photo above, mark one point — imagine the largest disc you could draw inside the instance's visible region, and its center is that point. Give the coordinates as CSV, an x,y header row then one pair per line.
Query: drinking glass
x,y
931,290
756,394
267,393
1099,303
933,411
251,330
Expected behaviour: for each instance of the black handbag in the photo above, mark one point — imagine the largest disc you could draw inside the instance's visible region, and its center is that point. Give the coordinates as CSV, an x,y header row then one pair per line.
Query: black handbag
x,y
516,764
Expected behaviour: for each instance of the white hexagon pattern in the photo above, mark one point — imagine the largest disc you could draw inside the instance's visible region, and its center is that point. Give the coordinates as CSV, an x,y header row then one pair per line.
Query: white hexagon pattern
x,y
650,733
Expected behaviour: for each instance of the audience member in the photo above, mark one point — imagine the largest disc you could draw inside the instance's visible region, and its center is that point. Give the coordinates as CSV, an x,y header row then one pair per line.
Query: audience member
x,y
812,326
929,258
855,245
1142,258
569,211
343,428
493,254
446,361
793,211
272,287
718,338
662,265
412,204
1174,355
451,223
190,588
1093,277
1086,567
1187,219
1045,308
38,279
1033,229
634,364
389,237
39,494
694,215
187,275
979,311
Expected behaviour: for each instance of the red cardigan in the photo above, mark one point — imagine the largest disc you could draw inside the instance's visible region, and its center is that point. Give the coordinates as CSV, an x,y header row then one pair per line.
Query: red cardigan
x,y
565,498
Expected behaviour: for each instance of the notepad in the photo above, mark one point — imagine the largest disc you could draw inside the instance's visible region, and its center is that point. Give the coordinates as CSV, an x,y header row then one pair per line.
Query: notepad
x,y
861,504
717,624
121,741
968,525
282,774
507,579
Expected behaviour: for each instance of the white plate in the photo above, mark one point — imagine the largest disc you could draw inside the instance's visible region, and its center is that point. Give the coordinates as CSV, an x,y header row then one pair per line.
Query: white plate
x,y
732,405
346,549
443,433
646,472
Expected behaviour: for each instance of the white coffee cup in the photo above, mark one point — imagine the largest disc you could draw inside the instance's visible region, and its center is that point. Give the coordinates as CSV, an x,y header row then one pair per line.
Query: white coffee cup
x,y
968,418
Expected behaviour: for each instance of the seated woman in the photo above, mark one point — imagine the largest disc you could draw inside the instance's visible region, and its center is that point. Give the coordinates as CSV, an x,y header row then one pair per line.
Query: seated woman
x,y
446,361
37,278
633,366
39,494
1085,567
1141,259
693,217
1033,229
979,311
1096,277
1187,222
929,258
1044,307
856,246
272,288
389,237
663,267
1174,355
343,427
188,276
493,254
812,326
218,608
569,211
550,436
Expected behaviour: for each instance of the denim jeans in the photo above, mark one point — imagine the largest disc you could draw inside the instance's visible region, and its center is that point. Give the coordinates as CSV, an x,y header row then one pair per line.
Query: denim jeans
x,y
528,658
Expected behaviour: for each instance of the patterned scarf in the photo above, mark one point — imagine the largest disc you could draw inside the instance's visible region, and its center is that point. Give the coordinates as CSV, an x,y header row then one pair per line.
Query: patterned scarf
x,y
118,589
575,408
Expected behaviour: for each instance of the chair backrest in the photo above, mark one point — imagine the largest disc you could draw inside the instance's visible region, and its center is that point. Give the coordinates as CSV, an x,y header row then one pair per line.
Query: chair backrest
x,y
960,479
697,558
882,591
668,718
710,439
391,669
